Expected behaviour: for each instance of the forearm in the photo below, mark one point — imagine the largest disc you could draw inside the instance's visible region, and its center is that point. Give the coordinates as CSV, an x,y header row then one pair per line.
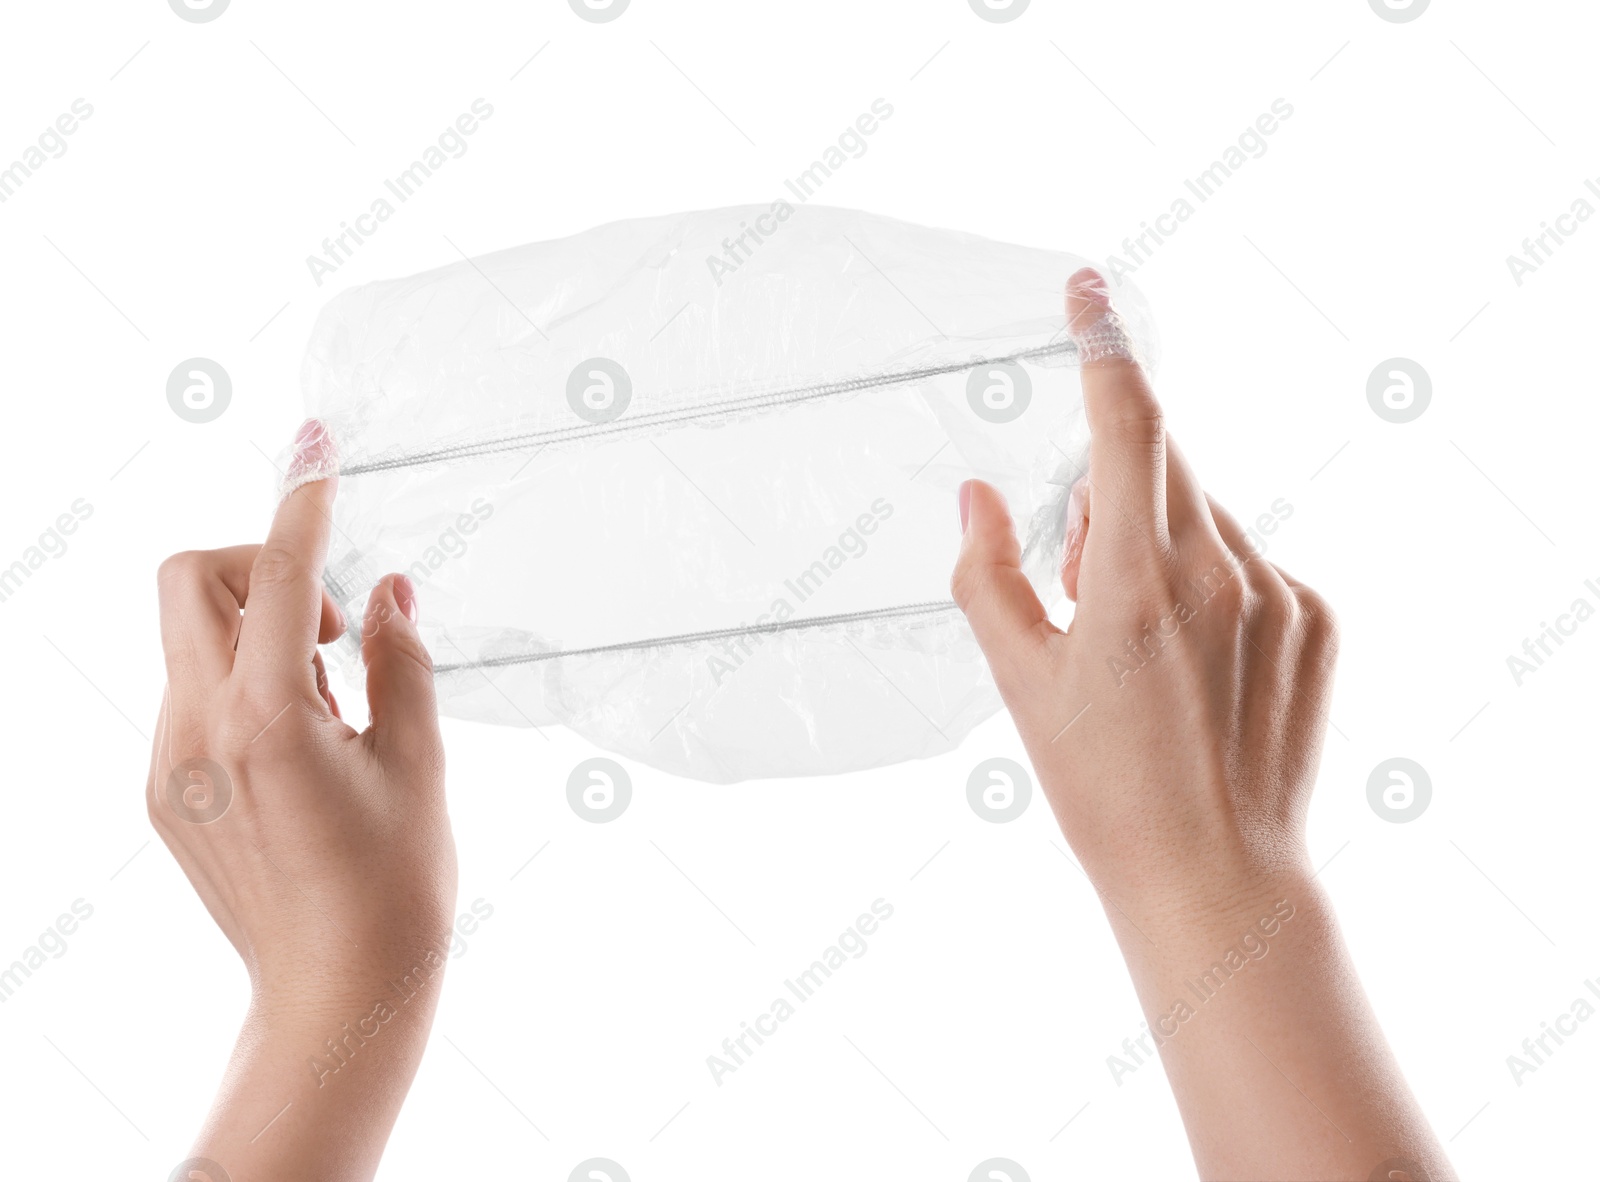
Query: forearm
x,y
315,1085
1274,1055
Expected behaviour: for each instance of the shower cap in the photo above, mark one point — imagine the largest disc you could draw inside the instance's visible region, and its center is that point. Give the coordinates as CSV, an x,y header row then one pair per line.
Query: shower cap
x,y
686,485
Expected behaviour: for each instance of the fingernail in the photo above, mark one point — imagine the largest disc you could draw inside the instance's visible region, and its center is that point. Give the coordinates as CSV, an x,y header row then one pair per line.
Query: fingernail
x,y
316,456
1077,518
963,501
405,596
344,620
1076,496
1096,328
1091,285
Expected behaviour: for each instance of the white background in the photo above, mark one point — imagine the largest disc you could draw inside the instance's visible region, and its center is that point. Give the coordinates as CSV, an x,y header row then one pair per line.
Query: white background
x,y
1377,224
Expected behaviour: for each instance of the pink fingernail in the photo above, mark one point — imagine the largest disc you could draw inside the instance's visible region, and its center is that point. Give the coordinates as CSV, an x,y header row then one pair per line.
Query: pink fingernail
x,y
316,456
1075,499
964,501
1096,329
1076,519
405,596
1091,285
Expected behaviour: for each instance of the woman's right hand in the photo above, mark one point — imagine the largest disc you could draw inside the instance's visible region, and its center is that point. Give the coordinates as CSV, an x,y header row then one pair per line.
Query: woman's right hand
x,y
1176,728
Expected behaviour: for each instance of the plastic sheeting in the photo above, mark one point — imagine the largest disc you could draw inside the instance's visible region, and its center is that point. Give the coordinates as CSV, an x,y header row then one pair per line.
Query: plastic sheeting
x,y
686,485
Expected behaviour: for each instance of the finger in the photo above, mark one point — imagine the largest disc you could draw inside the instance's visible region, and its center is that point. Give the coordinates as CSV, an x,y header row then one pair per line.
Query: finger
x,y
1231,532
324,690
201,593
282,620
1244,548
1293,583
1077,533
1189,520
400,696
235,572
988,584
1127,457
158,748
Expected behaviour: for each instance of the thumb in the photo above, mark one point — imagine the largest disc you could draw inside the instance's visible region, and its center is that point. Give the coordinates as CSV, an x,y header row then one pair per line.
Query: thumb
x,y
405,717
988,585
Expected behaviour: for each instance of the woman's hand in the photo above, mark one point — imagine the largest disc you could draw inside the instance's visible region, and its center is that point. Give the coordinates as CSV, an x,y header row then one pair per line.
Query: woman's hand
x,y
1176,729
1177,725
323,853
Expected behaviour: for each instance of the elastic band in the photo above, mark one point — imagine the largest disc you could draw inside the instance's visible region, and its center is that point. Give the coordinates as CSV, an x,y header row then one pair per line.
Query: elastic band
x,y
671,417
936,607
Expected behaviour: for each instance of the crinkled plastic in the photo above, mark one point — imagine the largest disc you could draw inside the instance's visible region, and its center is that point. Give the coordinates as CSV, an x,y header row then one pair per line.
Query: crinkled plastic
x,y
686,485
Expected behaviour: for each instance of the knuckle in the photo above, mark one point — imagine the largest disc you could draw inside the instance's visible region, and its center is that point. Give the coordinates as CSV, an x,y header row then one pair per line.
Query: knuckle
x,y
411,651
181,569
966,584
252,712
1221,585
399,642
276,564
1237,598
1142,425
1320,620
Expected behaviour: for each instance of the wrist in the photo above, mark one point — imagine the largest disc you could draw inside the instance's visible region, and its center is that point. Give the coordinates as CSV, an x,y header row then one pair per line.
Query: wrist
x,y
1215,903
330,999
323,1062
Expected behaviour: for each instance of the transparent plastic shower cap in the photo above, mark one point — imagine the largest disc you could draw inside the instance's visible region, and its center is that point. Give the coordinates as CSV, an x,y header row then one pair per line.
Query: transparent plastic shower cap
x,y
686,485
